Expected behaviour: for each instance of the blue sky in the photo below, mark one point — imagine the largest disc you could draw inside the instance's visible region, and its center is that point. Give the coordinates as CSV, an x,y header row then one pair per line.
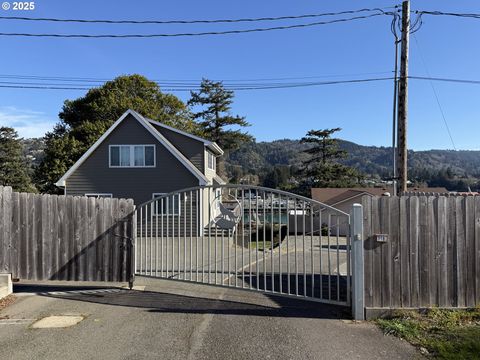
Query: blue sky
x,y
449,45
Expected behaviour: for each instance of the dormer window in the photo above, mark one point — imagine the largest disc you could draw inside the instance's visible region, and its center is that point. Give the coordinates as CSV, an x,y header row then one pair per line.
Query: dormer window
x,y
139,156
211,161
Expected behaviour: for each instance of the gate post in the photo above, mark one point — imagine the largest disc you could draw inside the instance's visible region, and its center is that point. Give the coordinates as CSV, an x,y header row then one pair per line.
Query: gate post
x,y
358,295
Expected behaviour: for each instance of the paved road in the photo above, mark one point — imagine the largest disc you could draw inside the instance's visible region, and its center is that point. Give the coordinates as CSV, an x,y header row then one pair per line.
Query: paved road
x,y
173,320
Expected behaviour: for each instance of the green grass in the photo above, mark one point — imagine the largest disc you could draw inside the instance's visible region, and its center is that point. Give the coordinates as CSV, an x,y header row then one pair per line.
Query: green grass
x,y
278,232
446,334
260,246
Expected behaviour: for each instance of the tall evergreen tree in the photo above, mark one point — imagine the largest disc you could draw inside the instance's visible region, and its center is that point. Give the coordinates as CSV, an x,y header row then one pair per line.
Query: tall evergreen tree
x,y
84,120
13,168
215,118
322,168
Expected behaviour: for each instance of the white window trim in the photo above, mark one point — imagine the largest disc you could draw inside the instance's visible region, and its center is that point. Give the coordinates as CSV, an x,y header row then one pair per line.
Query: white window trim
x,y
177,211
132,157
98,195
214,161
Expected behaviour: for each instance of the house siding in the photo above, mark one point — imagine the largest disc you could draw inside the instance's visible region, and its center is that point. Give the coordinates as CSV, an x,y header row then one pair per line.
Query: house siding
x,y
95,175
192,149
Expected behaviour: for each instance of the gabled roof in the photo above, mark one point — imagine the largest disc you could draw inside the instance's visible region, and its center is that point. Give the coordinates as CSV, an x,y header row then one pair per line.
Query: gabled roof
x,y
146,124
210,144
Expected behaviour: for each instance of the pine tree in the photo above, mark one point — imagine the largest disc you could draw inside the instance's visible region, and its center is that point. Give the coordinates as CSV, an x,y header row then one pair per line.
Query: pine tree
x,y
13,168
215,118
322,168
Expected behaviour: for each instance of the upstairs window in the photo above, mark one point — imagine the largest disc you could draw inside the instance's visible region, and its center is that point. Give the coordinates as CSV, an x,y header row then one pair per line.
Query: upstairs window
x,y
132,156
211,161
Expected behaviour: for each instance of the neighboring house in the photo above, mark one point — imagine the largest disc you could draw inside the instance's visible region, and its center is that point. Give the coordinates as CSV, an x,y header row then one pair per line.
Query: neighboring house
x,y
140,158
344,198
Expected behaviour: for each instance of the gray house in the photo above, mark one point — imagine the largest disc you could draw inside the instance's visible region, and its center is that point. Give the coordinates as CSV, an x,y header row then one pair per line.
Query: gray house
x,y
141,159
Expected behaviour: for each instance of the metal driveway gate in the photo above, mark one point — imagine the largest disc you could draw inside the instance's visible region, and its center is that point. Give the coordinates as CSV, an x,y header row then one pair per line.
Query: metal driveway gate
x,y
246,237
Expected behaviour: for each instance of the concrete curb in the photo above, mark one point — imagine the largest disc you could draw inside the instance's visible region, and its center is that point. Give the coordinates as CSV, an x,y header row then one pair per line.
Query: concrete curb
x,y
6,287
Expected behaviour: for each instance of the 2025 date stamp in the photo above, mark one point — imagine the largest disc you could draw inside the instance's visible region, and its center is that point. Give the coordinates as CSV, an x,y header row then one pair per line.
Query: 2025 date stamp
x,y
18,5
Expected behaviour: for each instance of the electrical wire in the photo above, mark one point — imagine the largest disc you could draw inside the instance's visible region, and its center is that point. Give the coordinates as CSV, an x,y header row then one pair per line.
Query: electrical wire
x,y
195,86
49,86
214,21
461,81
440,13
195,81
227,32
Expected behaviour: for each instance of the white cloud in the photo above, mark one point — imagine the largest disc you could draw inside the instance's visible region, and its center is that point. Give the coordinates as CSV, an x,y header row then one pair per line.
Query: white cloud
x,y
28,123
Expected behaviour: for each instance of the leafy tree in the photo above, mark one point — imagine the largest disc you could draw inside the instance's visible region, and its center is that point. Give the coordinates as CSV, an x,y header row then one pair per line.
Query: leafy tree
x,y
84,120
13,168
215,118
322,168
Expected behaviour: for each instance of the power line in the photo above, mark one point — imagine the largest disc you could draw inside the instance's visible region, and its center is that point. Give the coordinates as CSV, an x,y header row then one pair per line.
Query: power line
x,y
47,86
440,13
195,81
435,92
194,86
461,81
204,21
227,32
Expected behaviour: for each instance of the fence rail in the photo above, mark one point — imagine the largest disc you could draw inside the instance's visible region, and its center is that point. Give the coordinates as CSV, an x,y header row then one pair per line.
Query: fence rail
x,y
431,256
50,237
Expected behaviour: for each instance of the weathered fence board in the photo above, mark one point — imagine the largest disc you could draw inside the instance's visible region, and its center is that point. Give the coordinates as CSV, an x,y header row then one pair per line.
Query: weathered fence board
x,y
50,237
432,256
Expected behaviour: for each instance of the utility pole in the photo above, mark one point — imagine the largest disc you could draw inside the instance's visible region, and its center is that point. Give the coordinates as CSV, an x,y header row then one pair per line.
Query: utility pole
x,y
403,100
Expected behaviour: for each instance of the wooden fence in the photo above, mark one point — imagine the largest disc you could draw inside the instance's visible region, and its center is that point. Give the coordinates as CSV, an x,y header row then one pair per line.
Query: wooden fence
x,y
431,256
50,237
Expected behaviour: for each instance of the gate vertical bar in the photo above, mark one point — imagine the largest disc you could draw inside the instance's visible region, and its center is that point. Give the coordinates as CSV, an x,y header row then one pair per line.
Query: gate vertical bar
x,y
256,239
191,240
133,249
338,259
140,242
168,234
288,245
161,237
280,276
156,237
272,263
312,208
184,202
249,238
304,252
320,250
264,244
151,239
358,297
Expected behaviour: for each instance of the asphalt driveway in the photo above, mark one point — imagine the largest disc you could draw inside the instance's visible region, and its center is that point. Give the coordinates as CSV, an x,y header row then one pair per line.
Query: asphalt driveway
x,y
166,319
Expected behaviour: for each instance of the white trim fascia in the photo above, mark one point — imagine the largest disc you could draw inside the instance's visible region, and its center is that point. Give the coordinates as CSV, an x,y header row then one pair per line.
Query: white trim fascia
x,y
202,179
210,144
214,146
195,137
351,197
175,152
219,179
92,148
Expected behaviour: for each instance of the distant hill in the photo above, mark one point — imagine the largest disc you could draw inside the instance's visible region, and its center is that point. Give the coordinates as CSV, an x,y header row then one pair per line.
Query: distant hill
x,y
258,159
375,162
